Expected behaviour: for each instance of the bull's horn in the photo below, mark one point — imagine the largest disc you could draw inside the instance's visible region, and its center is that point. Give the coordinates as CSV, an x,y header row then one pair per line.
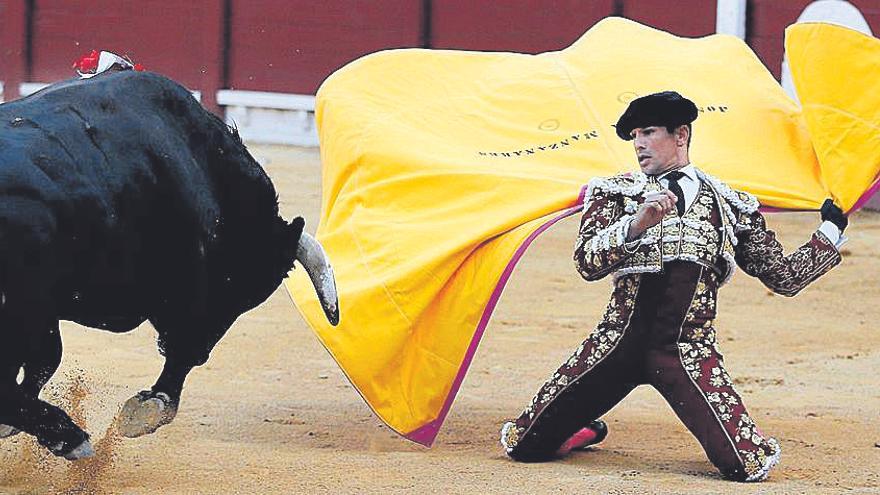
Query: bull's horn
x,y
311,256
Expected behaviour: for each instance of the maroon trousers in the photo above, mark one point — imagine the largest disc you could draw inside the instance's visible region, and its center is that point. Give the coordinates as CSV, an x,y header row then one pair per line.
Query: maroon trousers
x,y
668,343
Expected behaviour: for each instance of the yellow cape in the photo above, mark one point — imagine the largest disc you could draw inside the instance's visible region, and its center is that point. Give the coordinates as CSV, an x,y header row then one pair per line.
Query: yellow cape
x,y
440,167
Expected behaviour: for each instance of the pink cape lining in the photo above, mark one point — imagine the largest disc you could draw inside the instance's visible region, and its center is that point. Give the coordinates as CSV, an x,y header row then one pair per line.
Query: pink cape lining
x,y
427,433
867,196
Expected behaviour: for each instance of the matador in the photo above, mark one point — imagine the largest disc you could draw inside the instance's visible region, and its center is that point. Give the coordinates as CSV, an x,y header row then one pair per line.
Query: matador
x,y
670,235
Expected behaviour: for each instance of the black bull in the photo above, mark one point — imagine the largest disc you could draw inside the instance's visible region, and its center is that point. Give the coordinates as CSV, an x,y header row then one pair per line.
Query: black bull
x,y
122,200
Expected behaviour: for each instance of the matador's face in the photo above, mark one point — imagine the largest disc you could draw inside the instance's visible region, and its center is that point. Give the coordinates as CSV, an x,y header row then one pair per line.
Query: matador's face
x,y
658,150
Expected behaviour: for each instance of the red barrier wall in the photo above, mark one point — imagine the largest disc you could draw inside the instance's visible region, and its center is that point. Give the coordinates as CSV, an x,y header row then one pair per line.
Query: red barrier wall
x,y
691,18
184,42
13,26
769,18
871,10
766,29
292,46
529,26
534,26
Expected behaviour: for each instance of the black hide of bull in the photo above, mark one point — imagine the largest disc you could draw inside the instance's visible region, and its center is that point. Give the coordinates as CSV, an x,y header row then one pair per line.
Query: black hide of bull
x,y
123,200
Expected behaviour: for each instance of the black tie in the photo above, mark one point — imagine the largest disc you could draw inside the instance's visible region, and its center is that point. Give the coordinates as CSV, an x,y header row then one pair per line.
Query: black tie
x,y
673,177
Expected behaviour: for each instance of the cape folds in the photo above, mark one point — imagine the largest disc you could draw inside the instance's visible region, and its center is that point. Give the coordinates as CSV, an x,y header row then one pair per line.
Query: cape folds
x,y
441,167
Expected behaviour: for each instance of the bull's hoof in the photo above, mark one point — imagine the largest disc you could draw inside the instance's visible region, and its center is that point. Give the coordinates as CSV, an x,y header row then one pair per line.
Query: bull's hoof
x,y
82,451
7,431
145,413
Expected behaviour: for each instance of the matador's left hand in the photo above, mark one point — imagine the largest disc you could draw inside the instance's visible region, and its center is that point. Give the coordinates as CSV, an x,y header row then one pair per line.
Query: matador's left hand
x,y
832,213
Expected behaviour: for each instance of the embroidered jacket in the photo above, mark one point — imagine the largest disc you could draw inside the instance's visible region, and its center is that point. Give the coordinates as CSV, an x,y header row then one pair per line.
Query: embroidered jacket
x,y
723,228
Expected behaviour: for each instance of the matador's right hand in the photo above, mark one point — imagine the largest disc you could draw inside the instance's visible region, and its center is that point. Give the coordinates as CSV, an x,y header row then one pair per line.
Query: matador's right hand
x,y
651,212
832,213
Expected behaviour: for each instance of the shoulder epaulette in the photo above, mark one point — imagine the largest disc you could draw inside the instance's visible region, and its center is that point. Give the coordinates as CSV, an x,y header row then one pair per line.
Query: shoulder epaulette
x,y
742,201
629,184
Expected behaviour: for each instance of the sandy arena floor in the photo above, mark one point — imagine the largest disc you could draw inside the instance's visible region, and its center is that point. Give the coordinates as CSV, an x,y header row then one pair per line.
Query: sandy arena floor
x,y
271,412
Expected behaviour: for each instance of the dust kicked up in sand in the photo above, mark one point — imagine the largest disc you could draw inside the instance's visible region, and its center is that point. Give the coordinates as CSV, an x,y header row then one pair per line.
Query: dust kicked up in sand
x,y
35,469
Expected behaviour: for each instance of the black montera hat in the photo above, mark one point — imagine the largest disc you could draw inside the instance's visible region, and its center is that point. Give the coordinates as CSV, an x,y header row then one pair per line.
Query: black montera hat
x,y
667,109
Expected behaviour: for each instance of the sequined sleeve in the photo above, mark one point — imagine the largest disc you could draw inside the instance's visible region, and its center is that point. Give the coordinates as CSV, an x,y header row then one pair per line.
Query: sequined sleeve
x,y
601,242
760,255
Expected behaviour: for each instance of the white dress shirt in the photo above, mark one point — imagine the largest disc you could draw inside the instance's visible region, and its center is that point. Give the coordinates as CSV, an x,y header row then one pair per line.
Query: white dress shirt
x,y
690,186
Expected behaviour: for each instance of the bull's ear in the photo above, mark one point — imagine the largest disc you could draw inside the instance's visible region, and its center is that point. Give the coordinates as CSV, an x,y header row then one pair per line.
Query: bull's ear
x,y
295,229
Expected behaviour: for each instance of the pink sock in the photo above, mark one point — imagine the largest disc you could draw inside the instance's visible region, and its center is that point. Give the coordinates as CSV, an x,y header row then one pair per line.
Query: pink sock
x,y
583,437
